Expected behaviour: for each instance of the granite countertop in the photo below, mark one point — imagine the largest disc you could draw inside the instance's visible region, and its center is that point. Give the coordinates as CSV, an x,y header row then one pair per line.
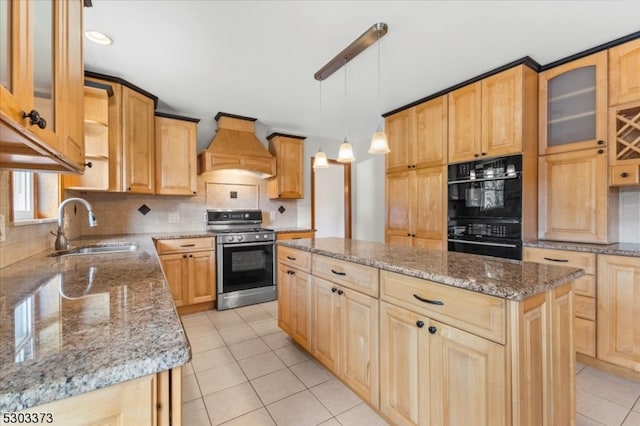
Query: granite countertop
x,y
617,249
505,278
72,324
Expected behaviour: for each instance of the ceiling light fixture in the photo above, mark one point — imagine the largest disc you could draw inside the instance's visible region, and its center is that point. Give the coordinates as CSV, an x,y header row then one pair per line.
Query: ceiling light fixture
x,y
379,144
320,160
345,155
98,37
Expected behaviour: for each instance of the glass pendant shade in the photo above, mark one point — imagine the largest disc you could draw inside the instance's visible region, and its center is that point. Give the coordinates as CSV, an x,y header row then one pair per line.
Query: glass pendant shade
x,y
345,155
379,143
320,160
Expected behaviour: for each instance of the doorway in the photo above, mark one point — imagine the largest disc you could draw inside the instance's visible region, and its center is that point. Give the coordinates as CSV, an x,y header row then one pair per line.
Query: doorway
x,y
331,200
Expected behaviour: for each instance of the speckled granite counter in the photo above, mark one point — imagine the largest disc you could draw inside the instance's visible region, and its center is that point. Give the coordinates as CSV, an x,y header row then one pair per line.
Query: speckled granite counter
x,y
509,279
618,249
73,324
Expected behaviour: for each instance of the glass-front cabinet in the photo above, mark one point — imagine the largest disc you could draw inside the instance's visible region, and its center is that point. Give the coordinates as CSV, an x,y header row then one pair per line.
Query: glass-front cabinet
x,y
40,62
573,105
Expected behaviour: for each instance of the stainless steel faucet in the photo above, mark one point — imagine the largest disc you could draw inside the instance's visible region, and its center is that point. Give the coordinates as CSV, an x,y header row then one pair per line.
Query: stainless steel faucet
x,y
62,243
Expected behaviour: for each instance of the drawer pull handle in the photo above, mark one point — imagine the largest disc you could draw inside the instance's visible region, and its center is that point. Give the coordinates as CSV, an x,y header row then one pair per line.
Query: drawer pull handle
x,y
550,259
339,273
187,245
432,329
291,258
420,324
433,302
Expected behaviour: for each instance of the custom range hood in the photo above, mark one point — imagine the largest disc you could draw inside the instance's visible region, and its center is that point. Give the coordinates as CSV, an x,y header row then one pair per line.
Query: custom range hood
x,y
235,146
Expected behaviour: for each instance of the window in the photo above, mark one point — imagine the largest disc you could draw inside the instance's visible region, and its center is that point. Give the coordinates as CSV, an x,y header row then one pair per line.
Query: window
x,y
34,196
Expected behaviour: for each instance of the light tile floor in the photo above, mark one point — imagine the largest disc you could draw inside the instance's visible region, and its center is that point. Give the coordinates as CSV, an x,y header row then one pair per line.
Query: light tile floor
x,y
246,371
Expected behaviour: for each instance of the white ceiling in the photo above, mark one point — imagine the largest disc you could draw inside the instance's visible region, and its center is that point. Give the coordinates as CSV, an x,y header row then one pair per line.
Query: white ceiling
x,y
257,58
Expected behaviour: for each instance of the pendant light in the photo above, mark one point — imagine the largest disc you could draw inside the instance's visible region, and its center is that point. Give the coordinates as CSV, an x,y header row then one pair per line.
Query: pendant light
x,y
320,159
345,155
379,144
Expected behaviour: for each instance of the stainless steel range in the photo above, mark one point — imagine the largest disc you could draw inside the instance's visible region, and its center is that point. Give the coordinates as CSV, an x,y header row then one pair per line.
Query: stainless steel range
x,y
245,258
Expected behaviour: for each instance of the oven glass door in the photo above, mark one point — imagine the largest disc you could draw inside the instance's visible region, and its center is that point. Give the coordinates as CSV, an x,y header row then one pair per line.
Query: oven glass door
x,y
245,266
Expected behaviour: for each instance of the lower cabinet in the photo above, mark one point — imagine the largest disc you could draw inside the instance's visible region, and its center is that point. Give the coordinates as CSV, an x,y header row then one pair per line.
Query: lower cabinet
x,y
189,266
154,400
618,310
294,304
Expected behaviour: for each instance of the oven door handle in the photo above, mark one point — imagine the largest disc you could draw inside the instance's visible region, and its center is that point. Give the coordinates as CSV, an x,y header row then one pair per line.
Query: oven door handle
x,y
262,243
478,243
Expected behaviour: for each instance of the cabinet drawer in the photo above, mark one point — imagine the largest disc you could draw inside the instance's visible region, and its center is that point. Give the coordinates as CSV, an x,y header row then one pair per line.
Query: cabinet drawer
x,y
586,261
625,175
184,244
352,275
585,307
294,235
585,286
585,336
477,313
296,258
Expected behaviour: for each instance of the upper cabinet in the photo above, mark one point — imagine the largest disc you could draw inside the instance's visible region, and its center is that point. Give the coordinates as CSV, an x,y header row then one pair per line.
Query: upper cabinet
x,y
573,105
176,166
495,116
41,79
418,136
289,153
624,73
138,142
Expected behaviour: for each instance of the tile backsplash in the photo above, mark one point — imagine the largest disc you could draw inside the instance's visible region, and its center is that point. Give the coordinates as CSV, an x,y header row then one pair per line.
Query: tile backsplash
x,y
629,215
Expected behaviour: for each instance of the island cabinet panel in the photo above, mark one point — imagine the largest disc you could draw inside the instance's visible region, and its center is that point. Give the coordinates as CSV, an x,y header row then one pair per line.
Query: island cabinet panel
x,y
294,295
619,310
352,275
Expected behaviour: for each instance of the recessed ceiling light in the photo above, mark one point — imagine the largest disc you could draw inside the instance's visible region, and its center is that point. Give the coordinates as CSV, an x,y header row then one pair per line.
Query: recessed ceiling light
x,y
98,37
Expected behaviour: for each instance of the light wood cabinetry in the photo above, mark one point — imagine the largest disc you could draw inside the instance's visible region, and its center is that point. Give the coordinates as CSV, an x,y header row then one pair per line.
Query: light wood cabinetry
x,y
494,116
288,183
575,202
416,212
624,73
618,325
153,400
138,142
295,235
438,360
41,95
418,136
189,266
175,155
294,295
624,150
584,289
573,105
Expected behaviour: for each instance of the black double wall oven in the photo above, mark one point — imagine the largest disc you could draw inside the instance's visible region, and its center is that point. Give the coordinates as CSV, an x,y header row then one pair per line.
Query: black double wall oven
x,y
485,207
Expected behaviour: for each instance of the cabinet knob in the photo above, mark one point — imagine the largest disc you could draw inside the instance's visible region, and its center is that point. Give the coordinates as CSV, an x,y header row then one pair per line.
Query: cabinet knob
x,y
35,118
184,256
413,235
600,142
128,188
420,324
88,164
432,329
333,290
483,153
340,292
476,155
601,151
408,235
624,174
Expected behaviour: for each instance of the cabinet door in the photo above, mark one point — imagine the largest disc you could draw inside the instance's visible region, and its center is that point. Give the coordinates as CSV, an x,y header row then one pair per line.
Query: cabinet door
x,y
138,142
359,344
404,366
301,300
326,320
175,156
202,273
624,73
573,190
398,196
401,134
431,132
176,270
624,150
15,62
285,296
429,207
618,310
502,112
467,376
465,107
573,105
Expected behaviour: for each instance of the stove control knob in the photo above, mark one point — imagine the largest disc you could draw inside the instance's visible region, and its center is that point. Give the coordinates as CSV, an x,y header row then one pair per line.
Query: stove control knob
x,y
240,238
230,238
257,237
265,236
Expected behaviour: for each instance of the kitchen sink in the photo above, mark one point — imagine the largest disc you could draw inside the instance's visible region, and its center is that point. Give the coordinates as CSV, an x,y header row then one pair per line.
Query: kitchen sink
x,y
98,249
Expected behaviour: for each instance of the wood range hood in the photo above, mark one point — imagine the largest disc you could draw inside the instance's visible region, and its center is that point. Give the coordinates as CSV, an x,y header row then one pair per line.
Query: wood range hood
x,y
235,146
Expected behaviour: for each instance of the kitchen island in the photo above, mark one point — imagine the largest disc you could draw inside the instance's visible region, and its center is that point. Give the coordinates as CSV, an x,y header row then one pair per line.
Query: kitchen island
x,y
92,326
431,337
